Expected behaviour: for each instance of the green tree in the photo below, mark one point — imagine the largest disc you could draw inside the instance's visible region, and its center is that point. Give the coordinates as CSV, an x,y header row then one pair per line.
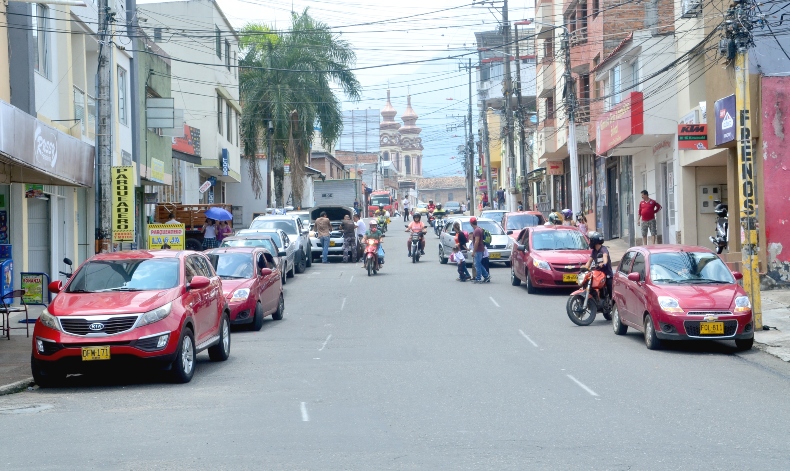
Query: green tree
x,y
287,78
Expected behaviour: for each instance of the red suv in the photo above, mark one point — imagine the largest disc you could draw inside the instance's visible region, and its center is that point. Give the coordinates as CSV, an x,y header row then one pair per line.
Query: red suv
x,y
158,308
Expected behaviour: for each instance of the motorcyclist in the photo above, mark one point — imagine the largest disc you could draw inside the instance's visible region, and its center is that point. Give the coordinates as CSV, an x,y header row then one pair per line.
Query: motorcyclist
x,y
554,220
439,213
567,217
416,226
431,207
380,211
600,254
373,233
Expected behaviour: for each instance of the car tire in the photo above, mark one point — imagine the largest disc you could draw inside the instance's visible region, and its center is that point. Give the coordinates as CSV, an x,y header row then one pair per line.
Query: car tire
x,y
183,368
221,351
284,275
744,344
46,377
257,321
194,244
301,265
442,259
617,323
291,273
514,280
530,287
507,264
278,314
309,258
652,342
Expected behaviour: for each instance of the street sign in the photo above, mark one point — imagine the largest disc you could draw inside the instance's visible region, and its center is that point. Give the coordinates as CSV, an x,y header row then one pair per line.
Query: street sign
x,y
204,187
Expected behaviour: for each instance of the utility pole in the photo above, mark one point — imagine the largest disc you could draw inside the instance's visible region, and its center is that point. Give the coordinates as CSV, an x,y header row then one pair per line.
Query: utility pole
x,y
520,115
470,145
487,151
104,130
739,22
509,125
270,161
570,106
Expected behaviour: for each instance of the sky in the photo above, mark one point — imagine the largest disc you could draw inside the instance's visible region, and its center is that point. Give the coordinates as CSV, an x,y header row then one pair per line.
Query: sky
x,y
382,36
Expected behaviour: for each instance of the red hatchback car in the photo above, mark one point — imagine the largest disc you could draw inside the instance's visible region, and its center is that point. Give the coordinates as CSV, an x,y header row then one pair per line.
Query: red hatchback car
x,y
158,308
679,292
251,284
548,257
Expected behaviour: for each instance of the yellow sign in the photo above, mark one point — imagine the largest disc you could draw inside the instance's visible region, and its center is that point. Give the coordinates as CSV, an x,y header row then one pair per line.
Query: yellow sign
x,y
158,170
123,204
171,235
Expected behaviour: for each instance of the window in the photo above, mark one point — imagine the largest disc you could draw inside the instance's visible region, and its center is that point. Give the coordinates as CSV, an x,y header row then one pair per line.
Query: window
x,y
41,39
236,66
625,263
238,133
548,50
219,115
550,107
449,196
407,164
616,85
635,75
385,156
227,54
596,7
229,123
639,266
79,107
218,37
157,34
122,97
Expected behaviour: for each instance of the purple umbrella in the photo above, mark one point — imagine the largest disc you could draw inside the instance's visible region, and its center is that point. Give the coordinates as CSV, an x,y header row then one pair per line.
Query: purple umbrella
x,y
219,214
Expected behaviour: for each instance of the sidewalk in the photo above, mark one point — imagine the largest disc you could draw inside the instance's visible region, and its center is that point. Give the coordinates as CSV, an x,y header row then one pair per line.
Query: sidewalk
x,y
15,355
776,314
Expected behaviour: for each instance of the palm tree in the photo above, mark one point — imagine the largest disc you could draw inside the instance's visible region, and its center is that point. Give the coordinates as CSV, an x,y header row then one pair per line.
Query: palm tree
x,y
286,78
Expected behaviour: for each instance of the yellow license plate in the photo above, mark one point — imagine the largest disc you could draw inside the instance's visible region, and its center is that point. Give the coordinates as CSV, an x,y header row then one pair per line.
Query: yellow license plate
x,y
95,353
711,328
570,277
331,243
494,255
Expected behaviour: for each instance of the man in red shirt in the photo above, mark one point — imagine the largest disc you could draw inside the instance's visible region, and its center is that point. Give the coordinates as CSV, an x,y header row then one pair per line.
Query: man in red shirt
x,y
647,217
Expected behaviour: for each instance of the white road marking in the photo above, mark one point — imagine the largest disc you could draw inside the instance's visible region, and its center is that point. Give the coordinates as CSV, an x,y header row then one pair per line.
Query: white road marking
x,y
325,342
351,279
343,304
305,417
529,339
492,300
583,386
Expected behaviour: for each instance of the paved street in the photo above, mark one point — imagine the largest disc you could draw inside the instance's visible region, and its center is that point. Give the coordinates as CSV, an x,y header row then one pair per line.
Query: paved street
x,y
413,370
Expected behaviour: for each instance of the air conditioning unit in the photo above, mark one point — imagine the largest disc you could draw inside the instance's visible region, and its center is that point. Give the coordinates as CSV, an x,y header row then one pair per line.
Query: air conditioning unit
x,y
690,8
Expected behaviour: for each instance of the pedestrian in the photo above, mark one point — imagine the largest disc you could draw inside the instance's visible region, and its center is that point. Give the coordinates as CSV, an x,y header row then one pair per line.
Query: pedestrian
x,y
520,205
463,208
479,249
405,209
647,217
171,219
349,229
356,206
323,228
485,199
362,228
500,196
581,223
223,231
458,258
461,237
209,231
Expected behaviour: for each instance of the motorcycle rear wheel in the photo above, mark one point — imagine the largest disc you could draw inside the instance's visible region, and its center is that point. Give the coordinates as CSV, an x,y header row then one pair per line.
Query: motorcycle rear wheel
x,y
369,266
580,314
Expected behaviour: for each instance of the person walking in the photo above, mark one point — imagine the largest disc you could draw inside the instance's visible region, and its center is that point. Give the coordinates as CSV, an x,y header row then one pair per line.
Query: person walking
x,y
209,231
647,217
485,200
458,257
405,209
323,228
223,231
349,229
361,229
500,196
479,249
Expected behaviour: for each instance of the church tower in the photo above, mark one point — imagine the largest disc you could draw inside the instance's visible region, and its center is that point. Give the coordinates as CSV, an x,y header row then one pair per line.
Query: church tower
x,y
389,139
410,142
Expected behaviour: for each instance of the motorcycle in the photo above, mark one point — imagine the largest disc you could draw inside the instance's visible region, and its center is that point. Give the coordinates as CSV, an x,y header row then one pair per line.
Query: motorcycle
x,y
589,299
438,226
415,246
383,221
431,218
372,259
720,240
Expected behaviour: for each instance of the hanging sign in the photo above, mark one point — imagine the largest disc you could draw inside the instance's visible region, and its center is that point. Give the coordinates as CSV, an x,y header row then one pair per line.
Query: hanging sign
x,y
157,170
33,284
555,168
626,119
225,162
204,187
692,136
725,120
123,204
166,236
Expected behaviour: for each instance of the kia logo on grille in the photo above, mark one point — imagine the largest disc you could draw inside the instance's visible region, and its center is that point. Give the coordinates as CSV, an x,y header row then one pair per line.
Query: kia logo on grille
x,y
96,326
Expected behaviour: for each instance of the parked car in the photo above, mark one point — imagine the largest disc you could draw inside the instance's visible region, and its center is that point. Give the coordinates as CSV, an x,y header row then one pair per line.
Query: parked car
x,y
494,214
335,215
498,251
452,207
548,257
421,208
297,232
251,284
283,244
265,241
515,221
680,292
158,308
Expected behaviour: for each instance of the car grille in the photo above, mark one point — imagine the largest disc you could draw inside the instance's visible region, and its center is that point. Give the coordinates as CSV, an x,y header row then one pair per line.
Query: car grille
x,y
710,313
566,267
498,246
111,326
692,329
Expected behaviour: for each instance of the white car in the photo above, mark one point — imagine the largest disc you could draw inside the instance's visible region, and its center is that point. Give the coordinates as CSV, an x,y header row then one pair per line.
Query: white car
x,y
297,233
335,215
283,243
498,250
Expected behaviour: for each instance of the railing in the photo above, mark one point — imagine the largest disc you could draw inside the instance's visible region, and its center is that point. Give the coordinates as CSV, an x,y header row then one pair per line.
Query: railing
x,y
79,107
91,114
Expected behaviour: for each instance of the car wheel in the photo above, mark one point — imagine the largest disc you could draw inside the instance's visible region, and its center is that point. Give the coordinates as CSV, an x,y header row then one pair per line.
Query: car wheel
x,y
301,265
442,260
617,324
221,351
744,344
652,342
194,244
257,322
309,258
283,277
530,287
183,367
46,377
507,264
278,314
514,280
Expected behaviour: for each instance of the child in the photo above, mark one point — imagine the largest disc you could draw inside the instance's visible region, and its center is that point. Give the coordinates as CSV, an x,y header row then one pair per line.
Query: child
x,y
458,257
581,223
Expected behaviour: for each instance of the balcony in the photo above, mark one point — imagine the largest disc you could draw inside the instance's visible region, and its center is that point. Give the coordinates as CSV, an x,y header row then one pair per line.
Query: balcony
x,y
547,77
544,17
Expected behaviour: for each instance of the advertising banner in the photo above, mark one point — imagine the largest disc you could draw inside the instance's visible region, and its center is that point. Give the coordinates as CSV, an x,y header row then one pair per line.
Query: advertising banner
x,y
166,236
626,119
725,120
692,136
35,285
158,170
122,204
555,168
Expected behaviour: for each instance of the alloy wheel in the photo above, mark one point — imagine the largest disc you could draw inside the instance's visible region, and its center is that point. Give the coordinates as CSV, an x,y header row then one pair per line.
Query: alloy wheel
x,y
187,354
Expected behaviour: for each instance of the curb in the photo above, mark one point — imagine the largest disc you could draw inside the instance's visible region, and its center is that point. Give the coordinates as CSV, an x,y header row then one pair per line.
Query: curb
x,y
16,387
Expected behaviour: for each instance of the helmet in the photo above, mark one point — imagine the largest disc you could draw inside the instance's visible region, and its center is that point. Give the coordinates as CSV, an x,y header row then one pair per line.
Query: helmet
x,y
430,201
595,238
373,223
439,206
554,218
417,216
567,214
381,206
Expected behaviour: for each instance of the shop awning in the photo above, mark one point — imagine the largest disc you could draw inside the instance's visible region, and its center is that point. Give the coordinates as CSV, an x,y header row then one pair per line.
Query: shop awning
x,y
193,159
536,175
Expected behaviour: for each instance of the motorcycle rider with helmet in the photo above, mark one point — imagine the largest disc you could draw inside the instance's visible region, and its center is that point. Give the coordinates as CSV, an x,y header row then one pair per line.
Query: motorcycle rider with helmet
x,y
416,226
554,220
600,254
567,217
375,234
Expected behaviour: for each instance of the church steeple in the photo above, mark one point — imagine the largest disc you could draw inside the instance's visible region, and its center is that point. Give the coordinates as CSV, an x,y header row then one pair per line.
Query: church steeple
x,y
409,119
388,113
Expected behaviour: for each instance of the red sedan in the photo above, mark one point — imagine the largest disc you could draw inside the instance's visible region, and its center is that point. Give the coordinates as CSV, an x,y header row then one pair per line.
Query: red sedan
x,y
679,292
548,257
158,308
251,284
514,222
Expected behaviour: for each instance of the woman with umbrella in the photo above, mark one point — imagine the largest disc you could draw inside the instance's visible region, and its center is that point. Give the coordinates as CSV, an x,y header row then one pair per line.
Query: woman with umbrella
x,y
210,229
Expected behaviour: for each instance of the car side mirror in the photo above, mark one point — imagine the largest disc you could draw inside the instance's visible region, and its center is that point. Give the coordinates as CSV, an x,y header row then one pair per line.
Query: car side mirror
x,y
55,287
266,271
281,253
522,248
737,275
67,261
509,232
635,277
199,282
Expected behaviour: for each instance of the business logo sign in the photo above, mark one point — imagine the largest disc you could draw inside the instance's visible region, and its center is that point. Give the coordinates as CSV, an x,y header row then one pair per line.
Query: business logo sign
x,y
190,143
123,204
692,136
725,120
225,162
555,168
45,141
158,170
623,121
166,236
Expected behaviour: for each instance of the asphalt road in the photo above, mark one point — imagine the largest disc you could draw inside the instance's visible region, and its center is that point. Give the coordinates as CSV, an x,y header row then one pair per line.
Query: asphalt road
x,y
411,369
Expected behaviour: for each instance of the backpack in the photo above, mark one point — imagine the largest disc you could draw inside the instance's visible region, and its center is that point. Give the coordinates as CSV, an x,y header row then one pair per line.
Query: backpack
x,y
486,237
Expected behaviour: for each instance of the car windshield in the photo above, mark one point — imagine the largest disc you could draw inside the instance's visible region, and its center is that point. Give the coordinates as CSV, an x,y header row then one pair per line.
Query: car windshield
x,y
289,227
520,221
559,240
688,267
232,265
495,215
264,242
422,205
490,226
126,275
452,204
383,200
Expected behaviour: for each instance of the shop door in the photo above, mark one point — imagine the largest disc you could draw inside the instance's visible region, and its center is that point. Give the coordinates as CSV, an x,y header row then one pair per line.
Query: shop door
x,y
612,197
38,236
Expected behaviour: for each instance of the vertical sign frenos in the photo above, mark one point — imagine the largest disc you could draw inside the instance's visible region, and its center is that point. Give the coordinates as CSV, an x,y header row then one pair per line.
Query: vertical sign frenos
x,y
123,204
